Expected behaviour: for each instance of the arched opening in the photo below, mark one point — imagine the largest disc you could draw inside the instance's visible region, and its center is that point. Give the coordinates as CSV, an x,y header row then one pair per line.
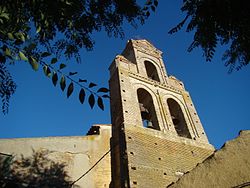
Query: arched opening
x,y
151,71
178,119
147,109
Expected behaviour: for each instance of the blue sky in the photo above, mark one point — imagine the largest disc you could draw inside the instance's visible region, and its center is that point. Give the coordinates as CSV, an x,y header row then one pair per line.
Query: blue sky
x,y
39,109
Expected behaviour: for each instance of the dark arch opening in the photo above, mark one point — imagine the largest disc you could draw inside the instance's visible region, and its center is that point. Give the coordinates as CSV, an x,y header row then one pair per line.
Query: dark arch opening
x,y
151,71
147,109
178,119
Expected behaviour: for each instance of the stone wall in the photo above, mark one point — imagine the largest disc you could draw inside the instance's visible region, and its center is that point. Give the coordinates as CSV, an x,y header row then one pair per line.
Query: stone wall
x,y
79,153
228,167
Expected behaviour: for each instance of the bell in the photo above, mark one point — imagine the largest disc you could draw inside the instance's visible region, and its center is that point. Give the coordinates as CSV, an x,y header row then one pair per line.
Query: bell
x,y
175,120
144,111
150,125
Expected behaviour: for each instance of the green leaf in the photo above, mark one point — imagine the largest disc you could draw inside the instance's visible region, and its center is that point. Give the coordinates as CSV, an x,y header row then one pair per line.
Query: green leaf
x,y
4,15
45,54
7,52
10,36
80,80
91,100
62,66
22,56
54,78
103,89
106,96
156,3
22,37
53,60
70,89
42,16
72,73
82,96
46,70
46,23
33,63
62,83
68,3
153,8
100,103
92,85
38,29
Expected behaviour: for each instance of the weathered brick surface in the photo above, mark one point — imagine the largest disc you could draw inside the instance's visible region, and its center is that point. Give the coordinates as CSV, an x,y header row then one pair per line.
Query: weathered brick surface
x,y
158,161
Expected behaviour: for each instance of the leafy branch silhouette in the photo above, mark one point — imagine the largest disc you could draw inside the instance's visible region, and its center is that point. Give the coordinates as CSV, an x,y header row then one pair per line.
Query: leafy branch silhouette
x,y
33,30
51,72
215,23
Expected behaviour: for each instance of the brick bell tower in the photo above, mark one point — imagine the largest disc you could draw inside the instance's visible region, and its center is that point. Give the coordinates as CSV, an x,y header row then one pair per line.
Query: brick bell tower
x,y
157,135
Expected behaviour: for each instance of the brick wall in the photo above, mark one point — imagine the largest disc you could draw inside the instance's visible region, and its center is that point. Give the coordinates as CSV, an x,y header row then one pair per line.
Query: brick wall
x,y
154,160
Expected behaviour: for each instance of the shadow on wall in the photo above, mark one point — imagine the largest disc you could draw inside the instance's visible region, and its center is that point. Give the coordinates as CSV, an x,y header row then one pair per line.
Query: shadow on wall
x,y
34,171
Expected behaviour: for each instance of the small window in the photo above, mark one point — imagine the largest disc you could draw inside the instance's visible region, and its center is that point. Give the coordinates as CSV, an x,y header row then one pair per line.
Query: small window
x,y
151,71
178,119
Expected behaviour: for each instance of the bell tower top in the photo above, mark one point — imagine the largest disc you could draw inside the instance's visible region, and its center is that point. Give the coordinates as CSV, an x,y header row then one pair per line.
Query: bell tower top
x,y
142,46
146,58
149,97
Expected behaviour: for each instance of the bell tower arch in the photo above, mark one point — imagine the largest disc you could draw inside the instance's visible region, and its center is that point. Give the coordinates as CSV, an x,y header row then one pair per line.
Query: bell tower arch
x,y
155,128
147,109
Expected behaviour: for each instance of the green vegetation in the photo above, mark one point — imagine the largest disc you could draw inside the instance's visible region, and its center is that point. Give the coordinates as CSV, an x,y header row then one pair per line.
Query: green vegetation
x,y
223,22
41,32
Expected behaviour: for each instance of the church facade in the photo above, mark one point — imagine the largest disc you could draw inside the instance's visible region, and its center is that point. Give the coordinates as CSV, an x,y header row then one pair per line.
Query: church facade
x,y
155,138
